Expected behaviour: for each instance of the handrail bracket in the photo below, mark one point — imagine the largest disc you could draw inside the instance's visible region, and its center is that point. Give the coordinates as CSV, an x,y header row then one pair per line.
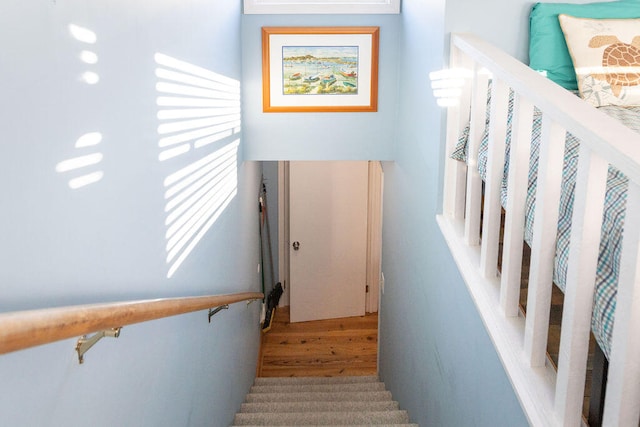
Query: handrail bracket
x,y
85,343
213,311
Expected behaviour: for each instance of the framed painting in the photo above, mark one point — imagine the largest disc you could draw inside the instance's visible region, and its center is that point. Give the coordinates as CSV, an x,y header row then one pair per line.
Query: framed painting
x,y
320,69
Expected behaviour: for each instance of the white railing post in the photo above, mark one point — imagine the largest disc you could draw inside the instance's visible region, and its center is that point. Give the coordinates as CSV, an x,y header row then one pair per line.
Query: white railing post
x,y
477,123
493,180
622,401
591,181
515,208
543,246
455,171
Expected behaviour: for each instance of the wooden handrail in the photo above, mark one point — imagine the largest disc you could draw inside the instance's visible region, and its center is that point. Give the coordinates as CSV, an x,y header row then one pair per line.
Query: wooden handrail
x,y
23,329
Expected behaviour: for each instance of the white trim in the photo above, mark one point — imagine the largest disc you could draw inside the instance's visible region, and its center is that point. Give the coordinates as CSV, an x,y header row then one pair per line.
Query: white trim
x,y
276,7
534,386
547,398
283,230
374,236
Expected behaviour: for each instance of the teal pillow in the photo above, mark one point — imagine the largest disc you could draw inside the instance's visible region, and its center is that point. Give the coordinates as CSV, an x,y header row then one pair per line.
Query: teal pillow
x,y
548,51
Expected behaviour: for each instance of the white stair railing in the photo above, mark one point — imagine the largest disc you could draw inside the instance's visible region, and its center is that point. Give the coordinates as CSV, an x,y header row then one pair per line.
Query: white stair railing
x,y
547,397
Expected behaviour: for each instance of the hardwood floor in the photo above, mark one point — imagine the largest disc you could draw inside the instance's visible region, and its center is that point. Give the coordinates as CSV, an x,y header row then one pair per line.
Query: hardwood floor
x,y
327,348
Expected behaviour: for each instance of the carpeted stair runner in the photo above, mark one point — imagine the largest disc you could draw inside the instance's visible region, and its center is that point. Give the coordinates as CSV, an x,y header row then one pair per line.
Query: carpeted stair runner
x,y
331,401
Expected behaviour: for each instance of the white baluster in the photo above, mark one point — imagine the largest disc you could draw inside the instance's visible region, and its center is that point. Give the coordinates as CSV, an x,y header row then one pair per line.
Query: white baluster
x,y
622,401
474,181
543,246
591,182
515,208
493,180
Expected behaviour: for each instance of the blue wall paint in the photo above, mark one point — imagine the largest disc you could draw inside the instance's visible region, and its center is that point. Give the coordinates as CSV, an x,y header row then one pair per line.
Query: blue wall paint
x,y
435,354
106,241
320,136
502,23
508,29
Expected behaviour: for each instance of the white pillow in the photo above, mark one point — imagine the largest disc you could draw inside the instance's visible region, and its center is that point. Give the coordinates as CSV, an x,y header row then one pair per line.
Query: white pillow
x,y
606,58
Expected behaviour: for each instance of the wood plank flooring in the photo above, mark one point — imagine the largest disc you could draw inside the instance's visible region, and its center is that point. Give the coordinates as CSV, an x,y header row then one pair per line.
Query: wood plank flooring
x,y
327,348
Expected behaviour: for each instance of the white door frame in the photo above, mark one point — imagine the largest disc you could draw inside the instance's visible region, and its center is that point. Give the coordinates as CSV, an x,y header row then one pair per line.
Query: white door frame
x,y
283,230
374,233
374,236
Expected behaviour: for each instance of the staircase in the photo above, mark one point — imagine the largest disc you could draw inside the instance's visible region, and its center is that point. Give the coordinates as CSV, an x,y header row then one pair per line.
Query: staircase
x,y
291,401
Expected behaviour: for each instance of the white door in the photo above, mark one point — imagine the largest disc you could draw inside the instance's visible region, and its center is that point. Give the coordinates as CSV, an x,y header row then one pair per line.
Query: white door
x,y
328,235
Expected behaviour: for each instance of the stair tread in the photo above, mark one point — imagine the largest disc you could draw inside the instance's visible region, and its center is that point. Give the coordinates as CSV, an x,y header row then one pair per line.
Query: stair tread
x,y
289,388
335,401
323,418
315,380
318,396
337,425
281,407
340,425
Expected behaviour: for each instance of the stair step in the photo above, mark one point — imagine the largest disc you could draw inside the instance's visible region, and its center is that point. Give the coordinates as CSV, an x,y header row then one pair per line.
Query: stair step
x,y
283,407
298,388
335,401
370,396
322,418
314,380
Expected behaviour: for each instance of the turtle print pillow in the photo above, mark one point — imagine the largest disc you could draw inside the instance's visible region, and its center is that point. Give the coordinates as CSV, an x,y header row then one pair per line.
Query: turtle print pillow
x,y
606,58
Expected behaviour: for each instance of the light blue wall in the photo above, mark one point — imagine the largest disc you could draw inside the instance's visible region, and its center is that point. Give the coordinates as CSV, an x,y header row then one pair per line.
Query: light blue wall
x,y
503,23
435,354
106,241
320,136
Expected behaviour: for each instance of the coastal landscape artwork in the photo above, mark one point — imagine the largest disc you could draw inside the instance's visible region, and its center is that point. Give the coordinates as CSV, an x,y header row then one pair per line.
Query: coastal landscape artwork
x,y
320,69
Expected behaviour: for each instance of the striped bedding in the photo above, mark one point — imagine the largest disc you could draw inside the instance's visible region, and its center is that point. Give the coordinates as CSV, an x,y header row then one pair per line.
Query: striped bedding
x,y
613,218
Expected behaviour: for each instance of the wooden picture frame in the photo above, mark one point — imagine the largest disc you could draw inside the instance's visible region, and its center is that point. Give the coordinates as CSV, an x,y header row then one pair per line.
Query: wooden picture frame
x,y
320,69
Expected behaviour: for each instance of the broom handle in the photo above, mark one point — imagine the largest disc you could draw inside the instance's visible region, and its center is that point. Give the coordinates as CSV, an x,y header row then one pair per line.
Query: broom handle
x,y
260,221
266,218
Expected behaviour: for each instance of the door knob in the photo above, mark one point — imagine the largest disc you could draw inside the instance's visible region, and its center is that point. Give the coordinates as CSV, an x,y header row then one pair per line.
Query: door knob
x,y
296,246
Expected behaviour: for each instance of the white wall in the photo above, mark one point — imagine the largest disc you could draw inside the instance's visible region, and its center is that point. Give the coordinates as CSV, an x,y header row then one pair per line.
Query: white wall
x,y
108,241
